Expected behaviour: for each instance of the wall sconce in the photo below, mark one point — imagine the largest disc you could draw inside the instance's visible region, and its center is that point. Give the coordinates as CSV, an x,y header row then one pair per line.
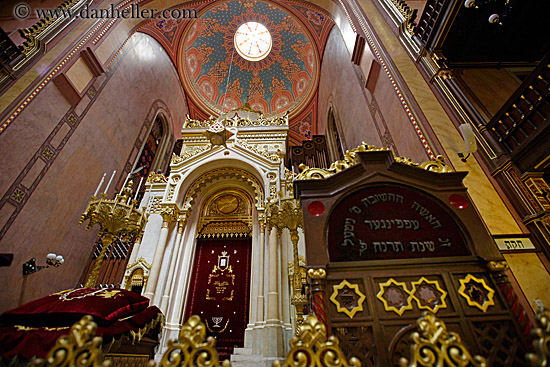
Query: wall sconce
x,y
470,141
51,260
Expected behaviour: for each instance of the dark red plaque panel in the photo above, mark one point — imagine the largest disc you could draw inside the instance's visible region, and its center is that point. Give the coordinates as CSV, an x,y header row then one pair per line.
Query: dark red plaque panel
x,y
392,222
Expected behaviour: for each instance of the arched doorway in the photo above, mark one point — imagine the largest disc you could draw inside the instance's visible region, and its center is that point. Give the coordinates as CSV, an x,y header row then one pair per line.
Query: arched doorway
x,y
220,283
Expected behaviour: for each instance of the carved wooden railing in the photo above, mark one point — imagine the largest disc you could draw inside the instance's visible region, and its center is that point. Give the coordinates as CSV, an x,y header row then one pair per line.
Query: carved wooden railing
x,y
526,114
432,346
429,20
37,37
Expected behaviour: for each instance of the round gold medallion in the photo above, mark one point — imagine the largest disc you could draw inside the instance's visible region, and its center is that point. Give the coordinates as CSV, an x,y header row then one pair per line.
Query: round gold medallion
x,y
227,204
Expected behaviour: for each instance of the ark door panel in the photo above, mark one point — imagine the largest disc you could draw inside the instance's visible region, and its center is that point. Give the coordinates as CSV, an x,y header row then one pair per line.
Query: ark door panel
x,y
220,290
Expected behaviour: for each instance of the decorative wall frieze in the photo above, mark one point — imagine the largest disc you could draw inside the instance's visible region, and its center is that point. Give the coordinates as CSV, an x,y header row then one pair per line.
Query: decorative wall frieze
x,y
350,159
236,121
189,153
156,178
263,152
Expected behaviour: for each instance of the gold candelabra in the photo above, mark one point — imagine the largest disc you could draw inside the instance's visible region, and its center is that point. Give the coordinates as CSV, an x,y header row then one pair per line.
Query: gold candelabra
x,y
113,217
288,214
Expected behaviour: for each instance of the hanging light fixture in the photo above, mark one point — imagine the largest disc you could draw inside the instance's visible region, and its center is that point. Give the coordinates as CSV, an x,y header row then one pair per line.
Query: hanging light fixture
x,y
495,17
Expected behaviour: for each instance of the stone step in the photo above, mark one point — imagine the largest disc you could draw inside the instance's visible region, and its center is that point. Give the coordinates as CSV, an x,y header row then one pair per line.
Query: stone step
x,y
245,358
242,351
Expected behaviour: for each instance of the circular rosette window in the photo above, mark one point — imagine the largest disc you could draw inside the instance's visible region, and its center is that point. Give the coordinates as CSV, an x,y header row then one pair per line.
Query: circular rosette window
x,y
253,41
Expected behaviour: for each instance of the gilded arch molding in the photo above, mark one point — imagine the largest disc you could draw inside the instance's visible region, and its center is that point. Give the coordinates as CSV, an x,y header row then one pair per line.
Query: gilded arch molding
x,y
224,173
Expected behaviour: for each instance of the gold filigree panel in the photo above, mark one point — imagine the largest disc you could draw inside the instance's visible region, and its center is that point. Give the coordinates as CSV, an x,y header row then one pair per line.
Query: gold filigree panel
x,y
434,346
347,298
476,292
312,348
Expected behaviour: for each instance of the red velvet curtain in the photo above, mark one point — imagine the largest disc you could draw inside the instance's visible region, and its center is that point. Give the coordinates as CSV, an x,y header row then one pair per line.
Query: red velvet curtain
x,y
219,292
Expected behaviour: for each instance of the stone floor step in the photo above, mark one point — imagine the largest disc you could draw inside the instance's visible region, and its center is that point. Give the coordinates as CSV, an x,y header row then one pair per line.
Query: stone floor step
x,y
242,351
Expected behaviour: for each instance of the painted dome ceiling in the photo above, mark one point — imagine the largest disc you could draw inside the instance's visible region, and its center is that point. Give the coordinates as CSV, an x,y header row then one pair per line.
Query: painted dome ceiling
x,y
220,79
216,78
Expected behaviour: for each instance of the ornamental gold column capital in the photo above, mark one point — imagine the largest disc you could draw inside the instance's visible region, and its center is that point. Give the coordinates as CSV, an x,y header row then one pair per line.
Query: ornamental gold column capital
x,y
169,212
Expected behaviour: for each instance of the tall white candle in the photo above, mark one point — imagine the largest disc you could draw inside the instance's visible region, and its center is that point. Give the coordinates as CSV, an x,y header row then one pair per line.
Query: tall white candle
x,y
139,187
100,183
111,180
124,184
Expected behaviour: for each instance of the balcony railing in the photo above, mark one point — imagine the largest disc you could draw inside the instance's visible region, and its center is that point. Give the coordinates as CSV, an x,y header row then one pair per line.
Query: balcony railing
x,y
524,117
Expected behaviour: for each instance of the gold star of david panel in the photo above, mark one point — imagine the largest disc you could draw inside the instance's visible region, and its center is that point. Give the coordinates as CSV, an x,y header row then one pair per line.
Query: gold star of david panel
x,y
476,292
347,298
395,296
428,295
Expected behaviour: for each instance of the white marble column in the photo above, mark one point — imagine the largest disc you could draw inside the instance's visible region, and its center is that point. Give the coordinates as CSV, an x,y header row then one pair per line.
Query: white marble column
x,y
260,299
157,261
135,249
285,292
273,337
171,274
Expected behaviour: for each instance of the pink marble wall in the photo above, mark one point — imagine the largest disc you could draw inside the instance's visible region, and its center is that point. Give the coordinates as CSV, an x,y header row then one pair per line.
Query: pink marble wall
x,y
376,118
108,123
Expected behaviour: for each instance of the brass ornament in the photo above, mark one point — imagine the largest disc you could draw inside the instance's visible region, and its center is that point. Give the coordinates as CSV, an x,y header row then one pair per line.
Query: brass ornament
x,y
312,348
471,288
416,287
319,273
498,265
388,286
350,159
350,311
541,341
434,346
191,349
80,348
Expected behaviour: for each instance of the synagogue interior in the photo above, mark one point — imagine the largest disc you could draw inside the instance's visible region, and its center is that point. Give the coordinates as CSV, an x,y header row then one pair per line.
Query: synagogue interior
x,y
274,182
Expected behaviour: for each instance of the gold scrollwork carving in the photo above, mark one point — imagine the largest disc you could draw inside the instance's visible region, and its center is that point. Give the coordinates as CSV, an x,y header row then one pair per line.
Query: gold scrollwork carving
x,y
392,294
476,292
434,346
354,305
312,348
237,121
154,177
432,301
191,349
80,348
350,159
541,341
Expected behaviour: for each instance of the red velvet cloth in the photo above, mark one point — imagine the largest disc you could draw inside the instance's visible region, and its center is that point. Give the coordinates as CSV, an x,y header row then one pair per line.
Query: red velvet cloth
x,y
219,291
32,329
67,307
27,342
